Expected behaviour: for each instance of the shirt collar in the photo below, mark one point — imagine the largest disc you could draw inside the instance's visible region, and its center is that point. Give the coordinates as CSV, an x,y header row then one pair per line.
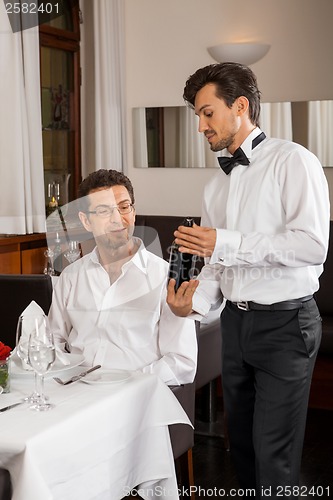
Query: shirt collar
x,y
247,144
139,259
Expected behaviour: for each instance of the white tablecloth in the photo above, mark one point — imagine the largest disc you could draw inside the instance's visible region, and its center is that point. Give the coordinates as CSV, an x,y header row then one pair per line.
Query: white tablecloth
x,y
97,443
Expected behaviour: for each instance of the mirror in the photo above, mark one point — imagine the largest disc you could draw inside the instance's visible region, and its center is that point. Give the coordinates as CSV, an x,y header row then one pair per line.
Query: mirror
x,y
167,137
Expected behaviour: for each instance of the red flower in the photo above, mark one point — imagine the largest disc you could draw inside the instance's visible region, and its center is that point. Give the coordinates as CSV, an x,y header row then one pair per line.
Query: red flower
x,y
4,351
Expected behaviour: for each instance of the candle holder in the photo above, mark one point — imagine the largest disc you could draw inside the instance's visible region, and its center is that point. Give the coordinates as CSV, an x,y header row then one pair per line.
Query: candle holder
x,y
5,374
53,193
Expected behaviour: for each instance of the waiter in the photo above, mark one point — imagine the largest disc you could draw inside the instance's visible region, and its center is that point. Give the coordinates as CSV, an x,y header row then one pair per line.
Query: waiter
x,y
264,234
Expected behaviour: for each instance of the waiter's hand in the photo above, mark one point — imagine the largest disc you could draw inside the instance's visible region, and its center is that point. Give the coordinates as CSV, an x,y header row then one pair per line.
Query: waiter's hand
x,y
180,301
196,240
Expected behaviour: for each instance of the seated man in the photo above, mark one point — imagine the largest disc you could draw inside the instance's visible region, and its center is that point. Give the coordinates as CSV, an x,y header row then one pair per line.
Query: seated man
x,y
111,304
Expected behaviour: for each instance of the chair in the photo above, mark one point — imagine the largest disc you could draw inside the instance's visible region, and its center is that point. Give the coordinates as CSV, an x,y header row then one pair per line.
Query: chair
x,y
209,370
17,291
182,436
209,366
5,485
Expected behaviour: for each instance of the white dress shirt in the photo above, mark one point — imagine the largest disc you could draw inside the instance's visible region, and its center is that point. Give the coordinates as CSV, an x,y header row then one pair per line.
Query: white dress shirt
x,y
272,223
126,325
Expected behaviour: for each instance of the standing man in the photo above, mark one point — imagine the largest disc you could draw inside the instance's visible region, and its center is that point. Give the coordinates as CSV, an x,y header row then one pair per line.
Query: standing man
x,y
264,234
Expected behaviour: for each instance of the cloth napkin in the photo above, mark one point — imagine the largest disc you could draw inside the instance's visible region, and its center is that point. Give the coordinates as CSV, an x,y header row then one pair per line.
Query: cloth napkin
x,y
29,313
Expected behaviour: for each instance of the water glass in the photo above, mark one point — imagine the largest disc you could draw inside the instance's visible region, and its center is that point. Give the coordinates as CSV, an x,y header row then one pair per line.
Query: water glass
x,y
41,356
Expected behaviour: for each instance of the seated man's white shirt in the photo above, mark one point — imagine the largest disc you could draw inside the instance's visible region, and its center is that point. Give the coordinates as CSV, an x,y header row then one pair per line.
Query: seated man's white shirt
x,y
126,325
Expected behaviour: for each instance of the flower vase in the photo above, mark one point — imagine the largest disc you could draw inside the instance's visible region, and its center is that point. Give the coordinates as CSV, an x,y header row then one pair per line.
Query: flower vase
x,y
5,374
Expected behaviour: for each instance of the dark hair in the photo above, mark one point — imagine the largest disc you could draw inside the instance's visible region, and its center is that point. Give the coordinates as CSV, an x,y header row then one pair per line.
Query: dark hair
x,y
231,80
103,179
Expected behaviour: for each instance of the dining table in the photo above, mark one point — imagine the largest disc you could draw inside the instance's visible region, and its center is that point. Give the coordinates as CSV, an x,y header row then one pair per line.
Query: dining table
x,y
98,442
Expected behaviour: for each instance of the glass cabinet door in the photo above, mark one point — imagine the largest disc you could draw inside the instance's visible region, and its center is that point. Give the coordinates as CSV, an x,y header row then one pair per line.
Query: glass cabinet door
x,y
57,122
60,95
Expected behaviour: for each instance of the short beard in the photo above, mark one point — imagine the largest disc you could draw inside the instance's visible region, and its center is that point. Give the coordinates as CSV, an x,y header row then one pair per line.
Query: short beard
x,y
222,144
114,244
111,243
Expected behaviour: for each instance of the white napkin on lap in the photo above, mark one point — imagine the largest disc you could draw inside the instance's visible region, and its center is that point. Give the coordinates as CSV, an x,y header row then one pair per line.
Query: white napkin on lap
x,y
29,314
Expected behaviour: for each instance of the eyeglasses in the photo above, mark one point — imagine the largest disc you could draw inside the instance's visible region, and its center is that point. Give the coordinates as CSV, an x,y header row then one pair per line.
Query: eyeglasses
x,y
106,211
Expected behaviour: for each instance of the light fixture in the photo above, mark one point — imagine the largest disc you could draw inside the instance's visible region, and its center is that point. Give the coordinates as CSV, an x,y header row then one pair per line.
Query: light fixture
x,y
244,53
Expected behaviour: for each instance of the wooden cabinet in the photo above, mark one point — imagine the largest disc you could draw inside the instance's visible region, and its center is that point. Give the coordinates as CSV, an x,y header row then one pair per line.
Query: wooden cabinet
x,y
60,92
10,259
22,254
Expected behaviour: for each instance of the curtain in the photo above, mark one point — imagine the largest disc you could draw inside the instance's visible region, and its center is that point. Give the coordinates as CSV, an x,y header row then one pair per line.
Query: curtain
x,y
103,89
276,120
191,143
320,127
140,138
22,201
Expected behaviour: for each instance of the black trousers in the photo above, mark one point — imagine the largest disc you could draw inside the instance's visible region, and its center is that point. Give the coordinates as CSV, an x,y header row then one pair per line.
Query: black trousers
x,y
267,364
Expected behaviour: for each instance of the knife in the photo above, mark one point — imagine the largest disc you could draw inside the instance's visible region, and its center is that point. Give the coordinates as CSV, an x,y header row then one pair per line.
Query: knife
x,y
79,376
11,406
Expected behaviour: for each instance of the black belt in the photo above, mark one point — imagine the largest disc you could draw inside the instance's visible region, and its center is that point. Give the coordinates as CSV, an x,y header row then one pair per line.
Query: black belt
x,y
287,305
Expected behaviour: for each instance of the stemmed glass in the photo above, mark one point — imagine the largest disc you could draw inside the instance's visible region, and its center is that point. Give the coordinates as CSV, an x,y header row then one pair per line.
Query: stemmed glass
x,y
41,356
74,252
25,326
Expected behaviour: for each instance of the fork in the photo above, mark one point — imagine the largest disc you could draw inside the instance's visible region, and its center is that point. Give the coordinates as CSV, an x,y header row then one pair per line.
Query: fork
x,y
76,377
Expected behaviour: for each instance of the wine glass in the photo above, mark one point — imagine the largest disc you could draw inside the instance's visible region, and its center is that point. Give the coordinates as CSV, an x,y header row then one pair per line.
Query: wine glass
x,y
41,356
74,252
25,326
49,265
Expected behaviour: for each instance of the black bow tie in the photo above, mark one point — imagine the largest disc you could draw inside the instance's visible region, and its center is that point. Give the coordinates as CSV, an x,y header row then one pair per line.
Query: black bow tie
x,y
239,157
228,163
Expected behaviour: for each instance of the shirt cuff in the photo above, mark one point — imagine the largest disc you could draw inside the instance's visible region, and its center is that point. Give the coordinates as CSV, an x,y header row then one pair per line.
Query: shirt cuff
x,y
200,306
226,247
163,371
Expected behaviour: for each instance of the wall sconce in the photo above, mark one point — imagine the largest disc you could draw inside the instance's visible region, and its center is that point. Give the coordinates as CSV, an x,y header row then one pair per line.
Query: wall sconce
x,y
244,53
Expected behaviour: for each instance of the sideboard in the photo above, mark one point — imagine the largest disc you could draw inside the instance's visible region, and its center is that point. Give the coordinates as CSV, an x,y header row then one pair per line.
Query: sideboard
x,y
22,254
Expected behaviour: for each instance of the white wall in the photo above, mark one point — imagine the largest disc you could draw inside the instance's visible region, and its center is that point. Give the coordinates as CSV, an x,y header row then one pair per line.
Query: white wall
x,y
166,41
